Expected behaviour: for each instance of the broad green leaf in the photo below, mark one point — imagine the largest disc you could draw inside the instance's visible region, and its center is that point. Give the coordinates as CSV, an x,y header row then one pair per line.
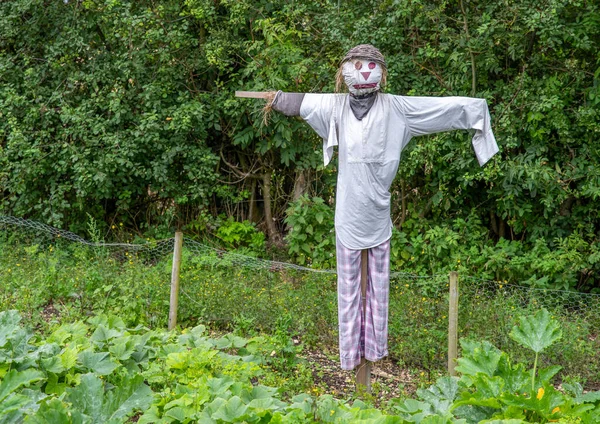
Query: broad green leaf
x,y
15,379
302,403
509,421
473,413
123,348
218,386
88,397
231,341
75,331
477,399
103,334
9,323
546,374
11,404
490,387
537,332
543,401
110,322
590,397
330,410
151,416
131,394
179,413
55,412
231,411
179,360
68,357
516,378
53,386
440,395
258,392
112,406
478,357
53,364
265,406
436,419
184,400
98,362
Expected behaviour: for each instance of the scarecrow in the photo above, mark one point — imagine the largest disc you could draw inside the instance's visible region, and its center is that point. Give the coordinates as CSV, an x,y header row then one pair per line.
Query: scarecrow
x,y
370,130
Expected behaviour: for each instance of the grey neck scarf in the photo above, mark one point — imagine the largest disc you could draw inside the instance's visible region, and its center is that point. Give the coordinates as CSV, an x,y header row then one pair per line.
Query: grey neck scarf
x,y
361,105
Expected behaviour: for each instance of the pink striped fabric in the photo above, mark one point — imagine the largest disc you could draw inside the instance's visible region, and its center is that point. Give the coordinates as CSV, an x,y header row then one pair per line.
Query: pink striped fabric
x,y
358,339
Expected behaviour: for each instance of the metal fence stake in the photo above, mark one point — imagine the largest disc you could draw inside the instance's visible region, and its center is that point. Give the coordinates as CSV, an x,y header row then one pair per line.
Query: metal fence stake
x,y
174,300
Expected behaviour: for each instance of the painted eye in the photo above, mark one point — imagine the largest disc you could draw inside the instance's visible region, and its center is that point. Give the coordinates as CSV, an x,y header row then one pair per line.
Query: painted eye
x,y
357,65
372,65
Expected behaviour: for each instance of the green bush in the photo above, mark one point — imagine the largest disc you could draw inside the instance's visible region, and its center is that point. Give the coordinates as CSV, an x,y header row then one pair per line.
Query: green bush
x,y
311,237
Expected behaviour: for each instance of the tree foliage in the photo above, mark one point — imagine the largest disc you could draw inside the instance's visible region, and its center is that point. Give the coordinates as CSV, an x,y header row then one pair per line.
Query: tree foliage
x,y
126,110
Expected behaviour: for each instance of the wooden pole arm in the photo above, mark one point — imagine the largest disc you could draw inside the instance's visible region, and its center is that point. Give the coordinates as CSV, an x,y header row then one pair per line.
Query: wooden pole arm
x,y
254,94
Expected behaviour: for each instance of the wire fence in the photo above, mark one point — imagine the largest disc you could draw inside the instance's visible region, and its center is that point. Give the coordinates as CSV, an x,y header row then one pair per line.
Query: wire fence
x,y
251,294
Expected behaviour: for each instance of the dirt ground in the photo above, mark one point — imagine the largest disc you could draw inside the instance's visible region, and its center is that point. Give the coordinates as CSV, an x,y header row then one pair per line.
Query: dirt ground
x,y
388,380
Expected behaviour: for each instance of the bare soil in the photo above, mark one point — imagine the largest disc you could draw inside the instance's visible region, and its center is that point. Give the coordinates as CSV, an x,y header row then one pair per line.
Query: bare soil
x,y
388,380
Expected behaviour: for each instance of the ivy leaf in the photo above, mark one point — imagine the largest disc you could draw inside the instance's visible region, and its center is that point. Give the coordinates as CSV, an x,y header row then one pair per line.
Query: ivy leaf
x,y
536,332
98,362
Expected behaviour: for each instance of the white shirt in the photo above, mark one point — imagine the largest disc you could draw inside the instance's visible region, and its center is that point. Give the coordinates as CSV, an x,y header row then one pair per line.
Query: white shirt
x,y
369,151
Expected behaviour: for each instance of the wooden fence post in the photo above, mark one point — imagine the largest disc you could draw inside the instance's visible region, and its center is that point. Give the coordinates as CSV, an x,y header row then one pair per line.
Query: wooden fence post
x,y
453,323
363,374
174,300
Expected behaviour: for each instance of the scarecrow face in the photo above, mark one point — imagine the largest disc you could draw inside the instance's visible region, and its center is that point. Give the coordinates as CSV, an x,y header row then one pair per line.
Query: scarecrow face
x,y
362,76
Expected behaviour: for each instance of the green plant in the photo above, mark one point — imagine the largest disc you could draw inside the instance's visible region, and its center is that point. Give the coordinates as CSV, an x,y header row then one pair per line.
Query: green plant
x,y
311,233
241,235
493,389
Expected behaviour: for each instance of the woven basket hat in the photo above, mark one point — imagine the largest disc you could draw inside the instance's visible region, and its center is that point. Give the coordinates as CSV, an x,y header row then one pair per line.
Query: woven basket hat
x,y
365,51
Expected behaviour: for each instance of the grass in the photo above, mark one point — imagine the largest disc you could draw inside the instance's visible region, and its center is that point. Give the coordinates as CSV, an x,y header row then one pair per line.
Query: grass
x,y
52,281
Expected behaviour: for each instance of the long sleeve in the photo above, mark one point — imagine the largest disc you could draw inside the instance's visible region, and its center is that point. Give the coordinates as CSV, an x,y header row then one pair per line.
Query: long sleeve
x,y
429,115
288,103
319,111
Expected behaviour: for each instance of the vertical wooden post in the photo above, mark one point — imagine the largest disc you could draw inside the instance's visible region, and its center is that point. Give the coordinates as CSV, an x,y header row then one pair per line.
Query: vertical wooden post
x,y
174,300
363,374
453,323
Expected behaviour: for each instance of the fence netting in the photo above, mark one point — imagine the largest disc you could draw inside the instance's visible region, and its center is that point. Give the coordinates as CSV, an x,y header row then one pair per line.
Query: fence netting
x,y
231,290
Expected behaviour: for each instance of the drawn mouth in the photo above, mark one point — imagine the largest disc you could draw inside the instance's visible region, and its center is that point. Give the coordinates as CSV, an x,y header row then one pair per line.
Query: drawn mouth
x,y
361,86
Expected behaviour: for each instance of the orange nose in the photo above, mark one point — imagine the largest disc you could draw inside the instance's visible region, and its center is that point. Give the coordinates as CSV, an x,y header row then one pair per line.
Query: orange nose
x,y
365,75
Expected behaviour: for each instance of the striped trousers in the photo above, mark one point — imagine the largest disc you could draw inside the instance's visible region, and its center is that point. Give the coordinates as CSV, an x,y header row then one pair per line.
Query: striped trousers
x,y
366,339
